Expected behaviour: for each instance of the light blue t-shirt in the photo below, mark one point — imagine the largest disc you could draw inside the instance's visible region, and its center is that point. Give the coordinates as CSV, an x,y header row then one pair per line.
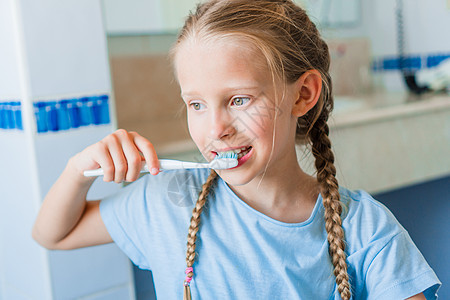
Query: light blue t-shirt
x,y
244,254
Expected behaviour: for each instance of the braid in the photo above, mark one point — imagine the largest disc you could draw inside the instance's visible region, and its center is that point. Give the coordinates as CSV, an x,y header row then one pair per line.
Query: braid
x,y
194,226
326,175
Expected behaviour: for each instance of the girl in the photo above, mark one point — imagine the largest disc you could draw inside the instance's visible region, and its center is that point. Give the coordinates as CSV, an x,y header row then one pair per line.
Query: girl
x,y
254,78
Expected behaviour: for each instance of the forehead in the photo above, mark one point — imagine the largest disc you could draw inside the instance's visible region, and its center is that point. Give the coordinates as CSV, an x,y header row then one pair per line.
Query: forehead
x,y
224,60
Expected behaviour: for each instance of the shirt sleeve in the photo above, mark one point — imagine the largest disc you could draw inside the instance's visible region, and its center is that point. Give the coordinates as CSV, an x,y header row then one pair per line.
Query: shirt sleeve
x,y
125,216
399,271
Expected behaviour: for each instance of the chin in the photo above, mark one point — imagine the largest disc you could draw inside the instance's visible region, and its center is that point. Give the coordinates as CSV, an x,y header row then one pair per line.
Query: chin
x,y
233,179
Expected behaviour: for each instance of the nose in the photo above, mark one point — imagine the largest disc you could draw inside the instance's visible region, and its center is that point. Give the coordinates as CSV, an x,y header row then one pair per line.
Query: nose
x,y
221,126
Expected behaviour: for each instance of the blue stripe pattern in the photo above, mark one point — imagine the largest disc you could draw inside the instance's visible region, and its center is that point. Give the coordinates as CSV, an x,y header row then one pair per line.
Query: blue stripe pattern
x,y
410,62
71,113
11,115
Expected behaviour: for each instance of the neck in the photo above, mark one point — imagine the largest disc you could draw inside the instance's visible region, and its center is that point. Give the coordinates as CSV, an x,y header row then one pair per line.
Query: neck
x,y
284,192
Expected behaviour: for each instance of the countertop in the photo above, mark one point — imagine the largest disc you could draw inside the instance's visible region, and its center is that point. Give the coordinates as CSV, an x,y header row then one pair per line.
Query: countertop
x,y
355,110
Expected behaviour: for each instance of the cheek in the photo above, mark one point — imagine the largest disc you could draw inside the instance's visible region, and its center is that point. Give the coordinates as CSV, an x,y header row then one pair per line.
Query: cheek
x,y
197,131
259,121
267,121
193,128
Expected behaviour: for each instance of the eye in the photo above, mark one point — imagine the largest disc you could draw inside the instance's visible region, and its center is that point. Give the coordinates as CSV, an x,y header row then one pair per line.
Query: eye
x,y
240,101
195,105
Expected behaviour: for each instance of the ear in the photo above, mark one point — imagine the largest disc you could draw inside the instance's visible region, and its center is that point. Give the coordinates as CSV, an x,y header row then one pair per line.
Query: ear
x,y
307,90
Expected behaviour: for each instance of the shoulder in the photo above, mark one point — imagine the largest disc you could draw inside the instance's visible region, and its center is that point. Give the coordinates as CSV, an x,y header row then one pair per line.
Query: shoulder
x,y
360,207
383,261
366,220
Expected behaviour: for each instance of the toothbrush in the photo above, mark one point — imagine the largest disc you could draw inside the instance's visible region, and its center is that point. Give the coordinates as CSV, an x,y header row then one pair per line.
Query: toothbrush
x,y
221,161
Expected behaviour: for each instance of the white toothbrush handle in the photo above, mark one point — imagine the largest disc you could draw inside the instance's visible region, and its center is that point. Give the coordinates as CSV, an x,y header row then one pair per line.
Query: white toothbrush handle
x,y
165,164
170,164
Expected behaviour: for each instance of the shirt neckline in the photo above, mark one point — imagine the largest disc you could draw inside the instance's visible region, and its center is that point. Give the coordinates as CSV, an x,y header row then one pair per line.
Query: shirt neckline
x,y
311,218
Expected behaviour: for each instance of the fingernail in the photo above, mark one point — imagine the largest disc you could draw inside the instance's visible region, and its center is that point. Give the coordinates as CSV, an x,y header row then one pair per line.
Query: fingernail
x,y
154,171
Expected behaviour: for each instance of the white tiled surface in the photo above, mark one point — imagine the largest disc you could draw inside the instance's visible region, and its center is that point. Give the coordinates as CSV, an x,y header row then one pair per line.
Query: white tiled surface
x,y
22,260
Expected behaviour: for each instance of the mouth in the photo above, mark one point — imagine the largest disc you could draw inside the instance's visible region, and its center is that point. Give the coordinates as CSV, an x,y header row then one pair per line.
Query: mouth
x,y
243,154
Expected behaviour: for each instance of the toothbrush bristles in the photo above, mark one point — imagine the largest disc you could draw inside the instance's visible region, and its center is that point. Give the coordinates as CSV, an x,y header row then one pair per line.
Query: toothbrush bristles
x,y
226,155
225,161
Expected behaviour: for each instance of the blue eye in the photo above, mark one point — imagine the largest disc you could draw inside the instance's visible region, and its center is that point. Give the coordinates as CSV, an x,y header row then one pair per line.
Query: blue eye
x,y
240,101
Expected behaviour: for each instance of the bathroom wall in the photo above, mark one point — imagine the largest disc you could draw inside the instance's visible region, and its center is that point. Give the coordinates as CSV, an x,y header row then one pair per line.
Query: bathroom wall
x,y
50,61
148,99
426,44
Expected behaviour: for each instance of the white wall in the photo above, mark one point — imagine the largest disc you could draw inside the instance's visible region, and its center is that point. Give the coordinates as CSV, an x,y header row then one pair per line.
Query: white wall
x,y
426,26
57,30
9,81
50,50
145,16
426,32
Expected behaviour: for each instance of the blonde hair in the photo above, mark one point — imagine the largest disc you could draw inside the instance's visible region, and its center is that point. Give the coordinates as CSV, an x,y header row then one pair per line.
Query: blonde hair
x,y
291,45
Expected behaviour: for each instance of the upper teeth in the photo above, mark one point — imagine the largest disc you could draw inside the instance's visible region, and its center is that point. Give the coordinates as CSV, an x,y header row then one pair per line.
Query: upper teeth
x,y
237,151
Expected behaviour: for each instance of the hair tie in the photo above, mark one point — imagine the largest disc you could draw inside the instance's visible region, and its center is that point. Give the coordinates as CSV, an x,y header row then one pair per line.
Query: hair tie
x,y
188,279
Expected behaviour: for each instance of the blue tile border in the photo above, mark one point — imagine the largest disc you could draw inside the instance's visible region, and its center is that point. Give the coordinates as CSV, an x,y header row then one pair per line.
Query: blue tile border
x,y
66,114
410,62
434,60
11,115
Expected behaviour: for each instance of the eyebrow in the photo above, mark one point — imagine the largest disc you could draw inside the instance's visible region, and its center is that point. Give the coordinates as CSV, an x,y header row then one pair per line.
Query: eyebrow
x,y
229,89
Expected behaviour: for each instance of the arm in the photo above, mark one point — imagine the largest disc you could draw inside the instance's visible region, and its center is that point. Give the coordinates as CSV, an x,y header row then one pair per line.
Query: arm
x,y
66,220
420,296
65,210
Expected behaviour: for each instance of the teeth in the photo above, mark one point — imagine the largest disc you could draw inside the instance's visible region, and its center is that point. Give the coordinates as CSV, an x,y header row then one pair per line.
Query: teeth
x,y
240,152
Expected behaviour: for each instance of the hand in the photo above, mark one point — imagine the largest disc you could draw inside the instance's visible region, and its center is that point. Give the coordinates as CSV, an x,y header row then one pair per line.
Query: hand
x,y
120,155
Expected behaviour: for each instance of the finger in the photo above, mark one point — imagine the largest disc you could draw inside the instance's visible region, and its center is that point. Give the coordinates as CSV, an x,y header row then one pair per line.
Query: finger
x,y
133,158
104,160
120,163
147,149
